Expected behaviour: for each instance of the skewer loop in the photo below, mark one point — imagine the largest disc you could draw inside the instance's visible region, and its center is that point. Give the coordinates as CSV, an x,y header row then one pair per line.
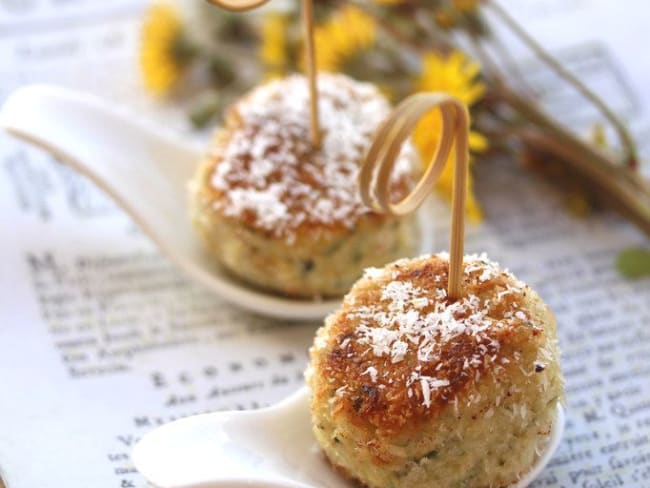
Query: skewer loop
x,y
378,164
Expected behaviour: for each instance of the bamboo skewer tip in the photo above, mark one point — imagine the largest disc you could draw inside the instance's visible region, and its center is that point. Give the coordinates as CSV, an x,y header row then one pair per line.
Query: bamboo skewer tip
x,y
310,55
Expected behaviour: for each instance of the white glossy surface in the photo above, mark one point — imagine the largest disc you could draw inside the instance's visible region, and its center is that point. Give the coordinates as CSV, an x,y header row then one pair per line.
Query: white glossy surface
x,y
146,173
272,448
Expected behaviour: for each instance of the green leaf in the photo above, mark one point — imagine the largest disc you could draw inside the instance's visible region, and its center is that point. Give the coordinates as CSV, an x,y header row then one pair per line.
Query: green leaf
x,y
634,263
205,111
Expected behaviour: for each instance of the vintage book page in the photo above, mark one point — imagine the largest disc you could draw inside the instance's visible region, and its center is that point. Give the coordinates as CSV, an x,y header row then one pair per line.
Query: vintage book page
x,y
102,339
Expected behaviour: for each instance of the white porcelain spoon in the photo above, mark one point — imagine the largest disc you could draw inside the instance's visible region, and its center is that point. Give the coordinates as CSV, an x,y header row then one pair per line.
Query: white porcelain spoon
x,y
267,448
146,172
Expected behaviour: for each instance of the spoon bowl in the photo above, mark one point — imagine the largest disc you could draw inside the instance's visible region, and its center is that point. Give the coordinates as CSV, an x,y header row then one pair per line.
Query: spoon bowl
x,y
146,172
271,447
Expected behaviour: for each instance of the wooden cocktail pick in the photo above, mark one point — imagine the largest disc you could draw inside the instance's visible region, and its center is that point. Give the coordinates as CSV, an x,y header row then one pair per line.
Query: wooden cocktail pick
x,y
308,33
378,164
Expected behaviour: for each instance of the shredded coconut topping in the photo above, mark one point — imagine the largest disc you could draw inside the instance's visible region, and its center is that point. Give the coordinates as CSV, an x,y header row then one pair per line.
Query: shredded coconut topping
x,y
372,371
408,318
269,174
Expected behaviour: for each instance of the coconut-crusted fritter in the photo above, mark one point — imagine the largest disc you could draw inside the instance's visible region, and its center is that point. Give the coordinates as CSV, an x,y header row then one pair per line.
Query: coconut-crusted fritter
x,y
285,216
264,172
401,371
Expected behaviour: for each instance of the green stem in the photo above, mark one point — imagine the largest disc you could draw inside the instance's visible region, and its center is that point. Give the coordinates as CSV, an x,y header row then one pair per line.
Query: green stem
x,y
488,67
624,186
624,196
510,62
624,135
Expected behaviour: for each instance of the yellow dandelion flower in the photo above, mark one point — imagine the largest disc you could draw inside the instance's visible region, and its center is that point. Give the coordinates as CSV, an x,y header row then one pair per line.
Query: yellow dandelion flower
x,y
159,61
455,75
347,33
273,49
389,2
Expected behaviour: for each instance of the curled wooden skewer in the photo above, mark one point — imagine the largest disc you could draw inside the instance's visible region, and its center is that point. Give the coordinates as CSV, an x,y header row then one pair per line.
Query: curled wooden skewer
x,y
310,61
238,5
378,164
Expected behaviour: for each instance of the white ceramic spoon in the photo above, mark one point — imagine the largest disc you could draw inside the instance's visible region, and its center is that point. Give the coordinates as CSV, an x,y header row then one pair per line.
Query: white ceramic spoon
x,y
146,173
267,448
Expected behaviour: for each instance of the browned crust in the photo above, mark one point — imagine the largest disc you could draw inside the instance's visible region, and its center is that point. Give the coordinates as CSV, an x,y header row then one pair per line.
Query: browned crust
x,y
344,360
303,153
210,195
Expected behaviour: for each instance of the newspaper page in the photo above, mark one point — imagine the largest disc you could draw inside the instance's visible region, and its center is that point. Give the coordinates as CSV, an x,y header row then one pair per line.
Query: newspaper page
x,y
103,339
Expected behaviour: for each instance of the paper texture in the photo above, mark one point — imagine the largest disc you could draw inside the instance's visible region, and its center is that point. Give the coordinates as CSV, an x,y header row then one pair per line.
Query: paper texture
x,y
102,339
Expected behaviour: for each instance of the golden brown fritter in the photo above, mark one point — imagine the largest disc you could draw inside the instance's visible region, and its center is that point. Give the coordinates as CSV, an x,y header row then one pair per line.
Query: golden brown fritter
x,y
285,216
400,371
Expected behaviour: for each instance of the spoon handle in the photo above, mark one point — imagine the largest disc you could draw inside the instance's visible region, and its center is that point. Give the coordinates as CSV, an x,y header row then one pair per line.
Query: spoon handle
x,y
267,448
145,173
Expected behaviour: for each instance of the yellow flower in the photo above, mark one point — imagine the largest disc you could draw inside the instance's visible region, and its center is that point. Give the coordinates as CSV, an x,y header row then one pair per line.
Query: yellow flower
x,y
273,49
455,75
347,33
159,61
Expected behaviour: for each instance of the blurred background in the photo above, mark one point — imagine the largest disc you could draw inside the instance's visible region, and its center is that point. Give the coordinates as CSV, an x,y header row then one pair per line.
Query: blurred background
x,y
180,63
